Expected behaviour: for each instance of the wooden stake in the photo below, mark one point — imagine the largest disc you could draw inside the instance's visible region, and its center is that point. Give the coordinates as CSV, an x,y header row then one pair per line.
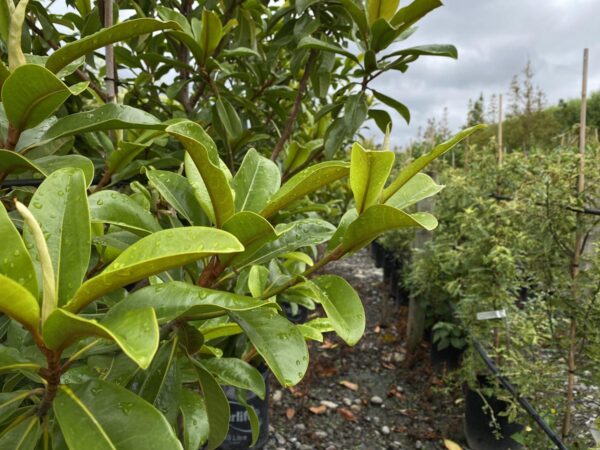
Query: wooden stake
x,y
111,87
500,149
578,250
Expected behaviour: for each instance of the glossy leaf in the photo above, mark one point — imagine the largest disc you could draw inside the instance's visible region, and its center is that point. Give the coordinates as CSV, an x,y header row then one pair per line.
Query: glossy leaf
x,y
407,16
60,207
107,117
217,407
206,158
31,94
18,303
118,209
95,412
305,182
377,9
377,220
153,254
211,34
342,306
195,420
427,50
421,162
280,343
120,32
162,384
369,170
238,373
15,261
179,193
419,187
24,436
184,301
252,230
11,360
135,332
317,44
393,103
301,233
256,181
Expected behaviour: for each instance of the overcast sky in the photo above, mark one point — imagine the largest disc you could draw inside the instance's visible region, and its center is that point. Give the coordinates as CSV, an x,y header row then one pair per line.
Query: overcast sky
x,y
495,38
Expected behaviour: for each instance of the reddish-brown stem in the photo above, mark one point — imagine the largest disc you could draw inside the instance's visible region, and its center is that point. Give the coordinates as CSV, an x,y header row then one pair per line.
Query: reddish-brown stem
x,y
210,273
52,375
287,131
104,180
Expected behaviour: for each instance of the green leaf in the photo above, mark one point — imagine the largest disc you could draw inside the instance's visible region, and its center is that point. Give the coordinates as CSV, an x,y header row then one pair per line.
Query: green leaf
x,y
349,216
162,384
60,207
135,332
18,303
302,233
11,360
355,112
13,162
407,16
377,9
24,436
211,33
278,341
369,170
256,181
419,187
342,306
96,411
206,158
229,121
4,72
185,301
334,137
317,44
418,164
392,103
356,10
258,277
120,32
382,119
195,420
153,254
217,407
305,182
426,50
179,193
377,220
118,209
238,373
107,117
7,8
16,57
31,94
252,230
15,261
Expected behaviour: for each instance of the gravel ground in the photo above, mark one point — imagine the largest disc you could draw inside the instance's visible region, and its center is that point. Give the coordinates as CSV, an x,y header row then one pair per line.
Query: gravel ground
x,y
366,397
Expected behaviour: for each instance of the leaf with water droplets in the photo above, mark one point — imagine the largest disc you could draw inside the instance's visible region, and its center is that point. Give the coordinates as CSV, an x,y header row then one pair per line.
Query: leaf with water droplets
x,y
111,417
136,332
195,419
121,210
278,341
18,303
342,306
153,254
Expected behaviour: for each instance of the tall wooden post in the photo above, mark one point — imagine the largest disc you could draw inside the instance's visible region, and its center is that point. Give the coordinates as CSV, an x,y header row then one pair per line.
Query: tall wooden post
x,y
500,149
111,86
578,250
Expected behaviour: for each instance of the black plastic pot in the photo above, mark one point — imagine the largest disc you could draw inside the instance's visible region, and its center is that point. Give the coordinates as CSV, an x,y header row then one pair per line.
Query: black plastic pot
x,y
239,436
446,360
298,318
479,432
377,253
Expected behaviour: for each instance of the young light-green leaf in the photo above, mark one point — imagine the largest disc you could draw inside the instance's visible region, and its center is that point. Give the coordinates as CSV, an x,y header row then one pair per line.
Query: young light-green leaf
x,y
420,163
305,182
18,303
377,9
369,170
419,187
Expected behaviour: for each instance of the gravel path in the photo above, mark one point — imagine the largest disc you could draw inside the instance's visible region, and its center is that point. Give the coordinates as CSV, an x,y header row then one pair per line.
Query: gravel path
x,y
366,397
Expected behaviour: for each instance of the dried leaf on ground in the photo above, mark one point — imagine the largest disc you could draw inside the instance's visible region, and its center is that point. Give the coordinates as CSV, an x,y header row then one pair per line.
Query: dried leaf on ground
x,y
350,385
290,413
451,445
347,414
318,409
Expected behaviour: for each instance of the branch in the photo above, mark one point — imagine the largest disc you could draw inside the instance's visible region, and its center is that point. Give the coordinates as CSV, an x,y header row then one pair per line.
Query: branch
x,y
287,132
